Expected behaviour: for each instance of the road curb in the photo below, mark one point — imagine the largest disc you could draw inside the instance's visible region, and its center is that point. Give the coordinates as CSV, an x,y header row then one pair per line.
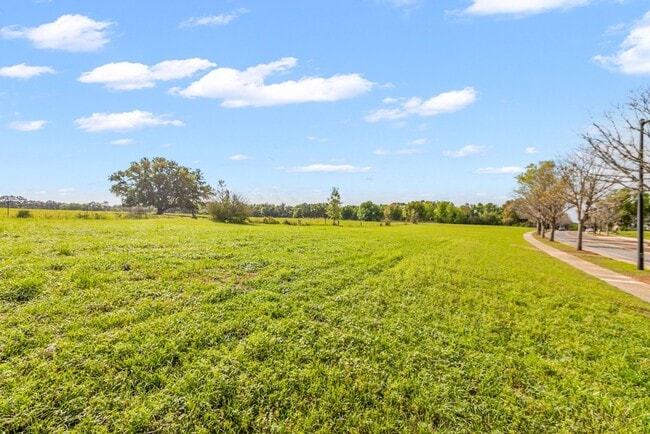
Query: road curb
x,y
624,283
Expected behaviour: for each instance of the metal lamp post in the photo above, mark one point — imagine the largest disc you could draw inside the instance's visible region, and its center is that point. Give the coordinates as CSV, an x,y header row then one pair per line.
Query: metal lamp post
x,y
639,205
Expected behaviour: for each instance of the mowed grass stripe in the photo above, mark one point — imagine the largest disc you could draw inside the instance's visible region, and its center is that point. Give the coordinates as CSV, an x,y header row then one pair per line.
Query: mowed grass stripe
x,y
181,325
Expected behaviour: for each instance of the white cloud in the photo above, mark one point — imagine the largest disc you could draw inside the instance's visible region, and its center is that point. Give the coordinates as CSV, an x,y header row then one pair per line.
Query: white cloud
x,y
501,170
129,76
317,139
397,151
531,150
345,168
634,55
75,33
418,142
214,20
65,191
465,151
248,88
386,115
27,125
520,7
100,122
239,157
25,71
122,142
446,102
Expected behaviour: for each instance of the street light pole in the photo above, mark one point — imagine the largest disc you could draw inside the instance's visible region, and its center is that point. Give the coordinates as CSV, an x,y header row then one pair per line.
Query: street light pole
x,y
639,205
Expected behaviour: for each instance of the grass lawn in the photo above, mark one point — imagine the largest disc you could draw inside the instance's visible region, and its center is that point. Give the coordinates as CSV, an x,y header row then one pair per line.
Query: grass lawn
x,y
632,234
621,267
180,325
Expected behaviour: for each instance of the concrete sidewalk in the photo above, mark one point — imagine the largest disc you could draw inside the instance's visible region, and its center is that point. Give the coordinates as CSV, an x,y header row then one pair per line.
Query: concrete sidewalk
x,y
624,283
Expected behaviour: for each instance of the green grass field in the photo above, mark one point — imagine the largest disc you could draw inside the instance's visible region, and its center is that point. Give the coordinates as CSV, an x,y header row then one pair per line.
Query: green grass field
x,y
180,325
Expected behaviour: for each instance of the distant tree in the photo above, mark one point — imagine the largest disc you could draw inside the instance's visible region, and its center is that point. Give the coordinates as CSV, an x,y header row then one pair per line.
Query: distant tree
x,y
414,211
334,206
587,182
444,212
369,211
349,212
541,195
300,211
162,184
509,215
228,207
393,212
11,201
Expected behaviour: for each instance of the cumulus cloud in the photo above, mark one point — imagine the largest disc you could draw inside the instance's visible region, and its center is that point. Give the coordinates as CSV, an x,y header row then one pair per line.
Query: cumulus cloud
x,y
501,170
634,54
214,20
417,142
408,151
446,102
27,126
465,151
76,33
345,168
130,76
239,157
520,7
25,71
531,150
100,122
248,88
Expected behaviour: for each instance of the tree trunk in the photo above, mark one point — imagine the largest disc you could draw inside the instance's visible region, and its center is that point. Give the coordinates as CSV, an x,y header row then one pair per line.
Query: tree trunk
x,y
552,237
580,231
160,211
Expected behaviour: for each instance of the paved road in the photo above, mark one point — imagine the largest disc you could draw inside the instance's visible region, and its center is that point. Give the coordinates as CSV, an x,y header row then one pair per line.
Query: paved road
x,y
619,248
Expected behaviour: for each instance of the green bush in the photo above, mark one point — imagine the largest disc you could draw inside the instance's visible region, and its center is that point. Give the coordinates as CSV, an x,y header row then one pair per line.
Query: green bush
x,y
23,214
228,207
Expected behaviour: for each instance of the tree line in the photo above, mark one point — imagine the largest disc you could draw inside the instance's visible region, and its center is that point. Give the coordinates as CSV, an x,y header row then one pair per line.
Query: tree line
x,y
413,212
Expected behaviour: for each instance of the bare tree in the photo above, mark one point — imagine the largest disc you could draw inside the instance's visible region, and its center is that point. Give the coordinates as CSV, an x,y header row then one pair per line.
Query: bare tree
x,y
607,210
615,140
586,182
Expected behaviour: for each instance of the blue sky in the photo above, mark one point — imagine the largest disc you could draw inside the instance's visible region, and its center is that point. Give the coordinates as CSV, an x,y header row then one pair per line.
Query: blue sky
x,y
387,100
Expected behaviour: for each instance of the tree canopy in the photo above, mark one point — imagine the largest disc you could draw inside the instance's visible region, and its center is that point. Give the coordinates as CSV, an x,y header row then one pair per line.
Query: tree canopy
x,y
541,195
162,184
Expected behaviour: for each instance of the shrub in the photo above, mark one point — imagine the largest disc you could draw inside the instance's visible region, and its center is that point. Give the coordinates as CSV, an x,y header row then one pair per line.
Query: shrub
x,y
23,214
228,207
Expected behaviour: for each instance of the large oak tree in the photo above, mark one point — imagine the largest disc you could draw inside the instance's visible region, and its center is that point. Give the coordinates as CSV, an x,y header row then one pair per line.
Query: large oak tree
x,y
162,184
